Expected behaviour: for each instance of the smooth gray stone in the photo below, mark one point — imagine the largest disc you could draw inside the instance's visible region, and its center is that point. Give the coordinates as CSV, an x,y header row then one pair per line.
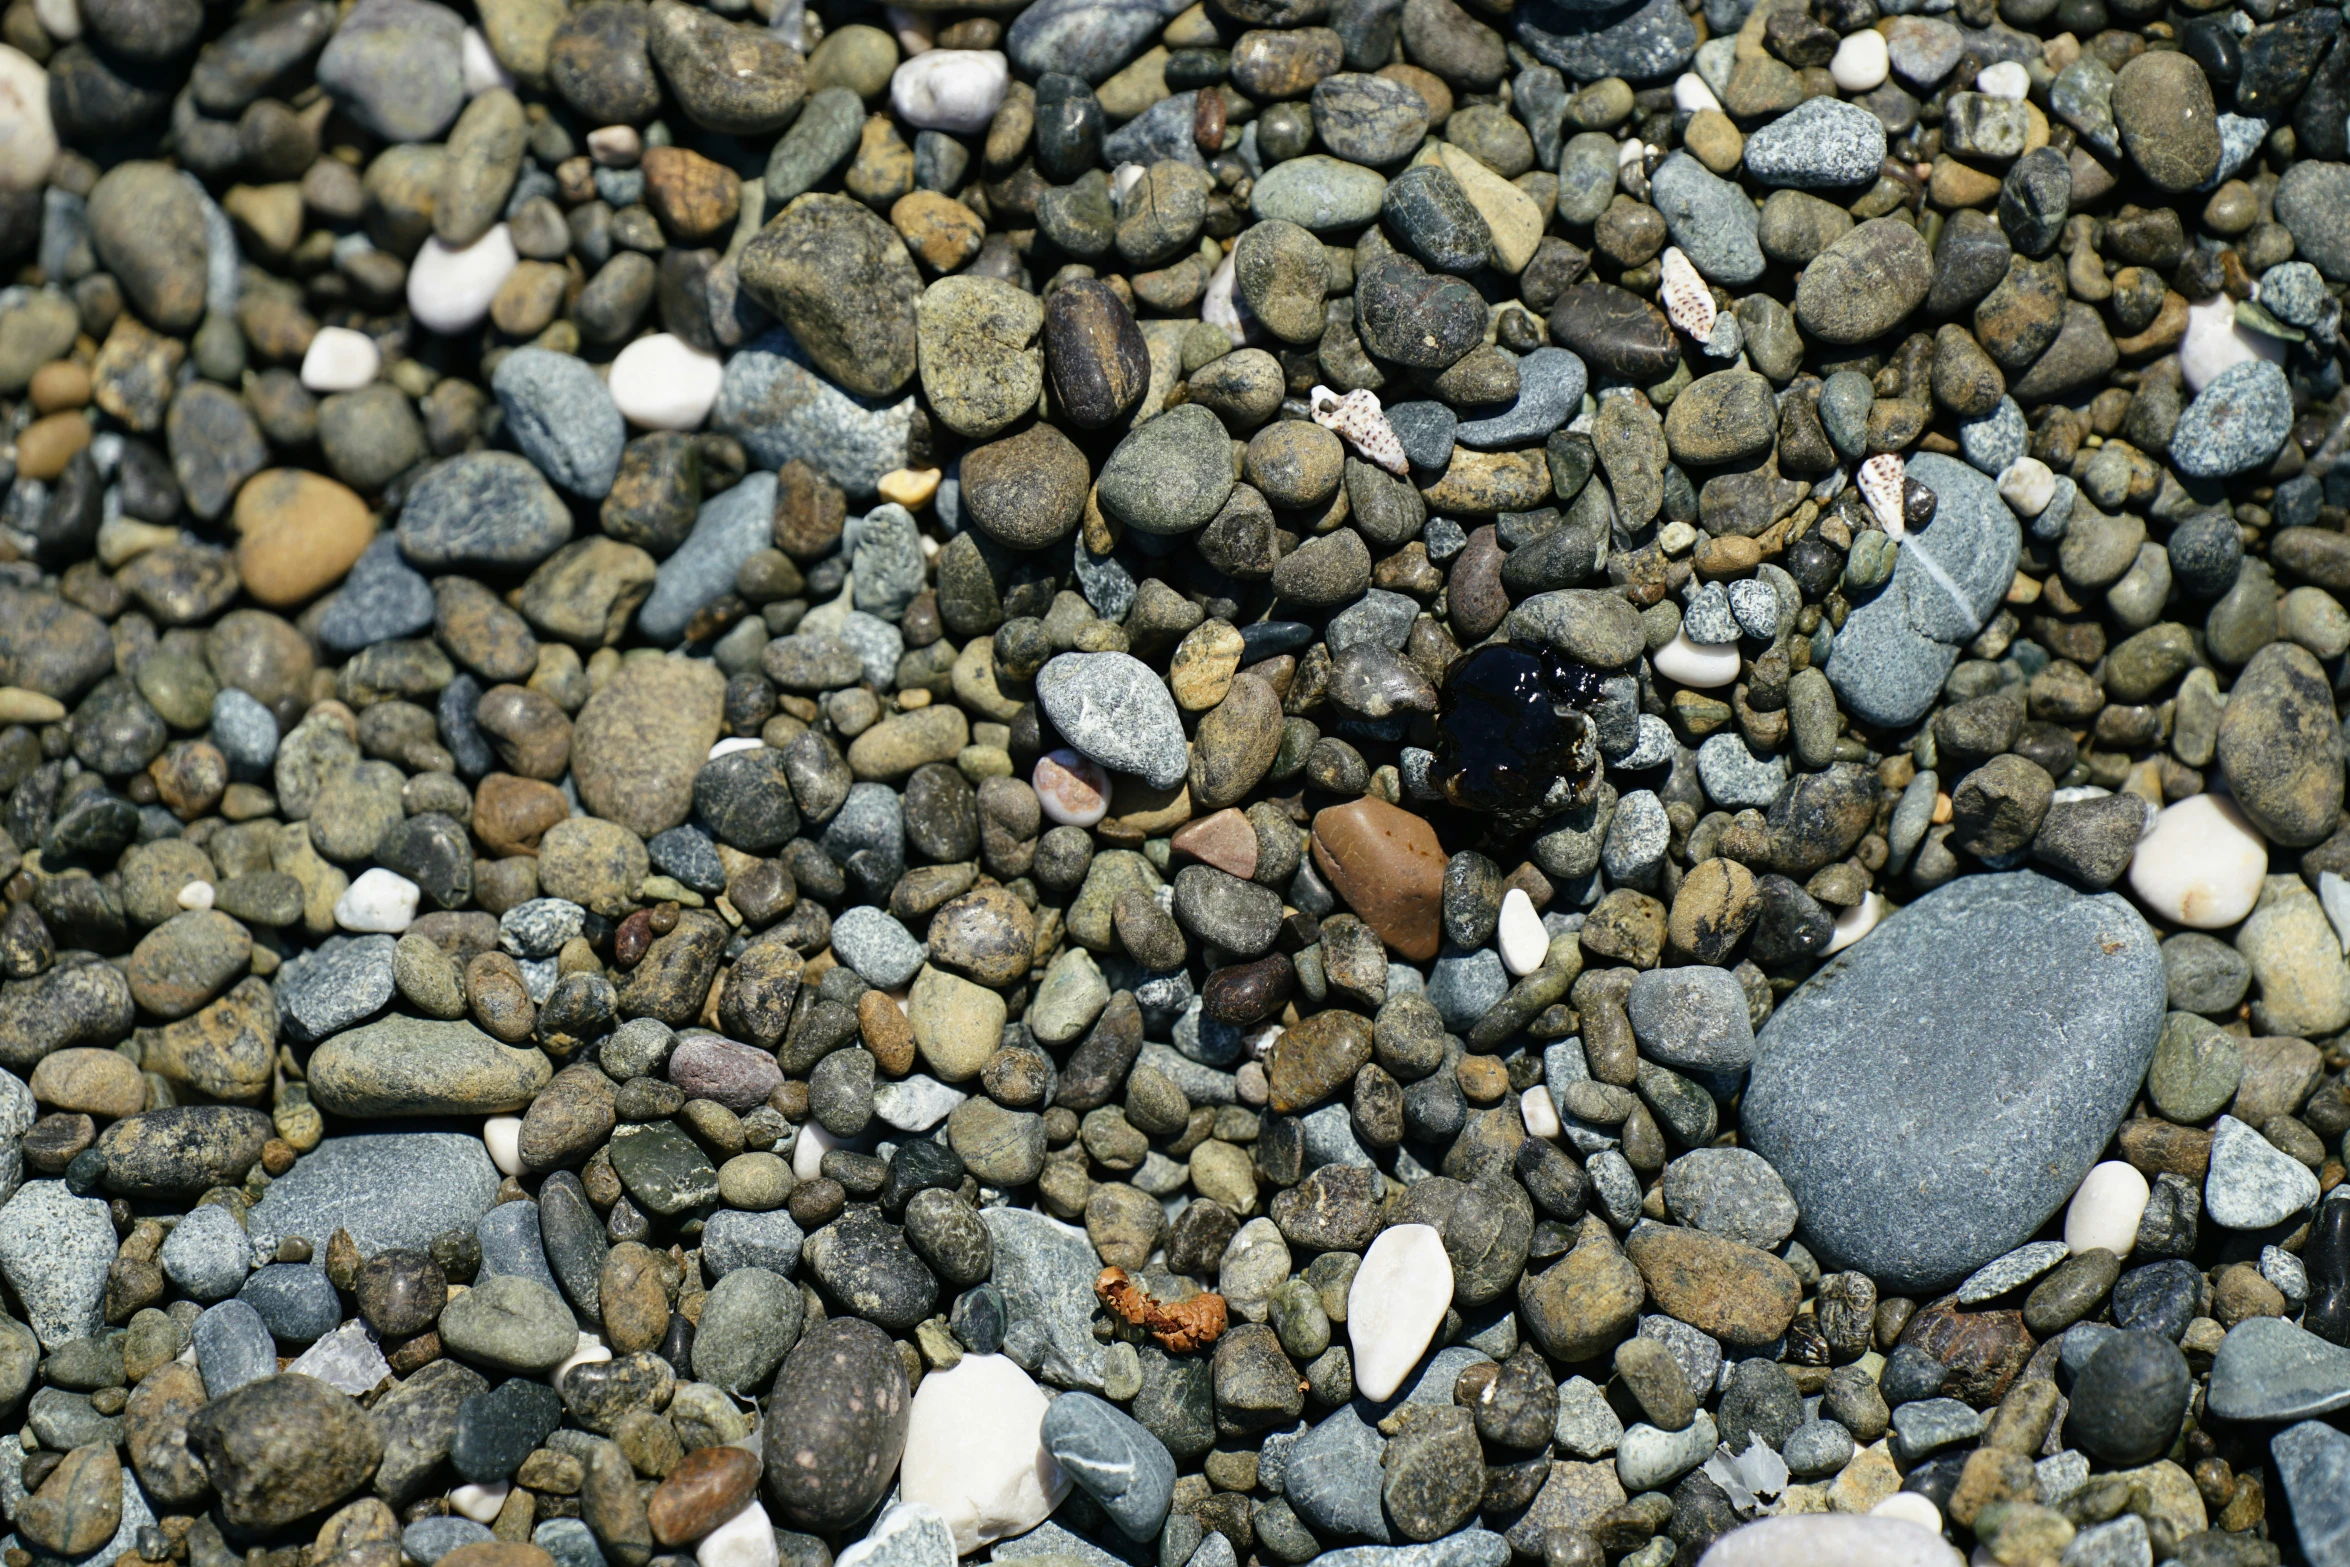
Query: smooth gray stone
x,y
2268,1369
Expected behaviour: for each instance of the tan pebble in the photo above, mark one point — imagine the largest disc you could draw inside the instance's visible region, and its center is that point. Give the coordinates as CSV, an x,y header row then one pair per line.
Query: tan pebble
x,y
19,706
60,385
911,488
298,533
47,445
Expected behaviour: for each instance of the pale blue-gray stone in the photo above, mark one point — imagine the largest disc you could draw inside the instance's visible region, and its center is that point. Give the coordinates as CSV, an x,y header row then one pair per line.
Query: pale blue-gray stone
x,y
731,528
1113,1459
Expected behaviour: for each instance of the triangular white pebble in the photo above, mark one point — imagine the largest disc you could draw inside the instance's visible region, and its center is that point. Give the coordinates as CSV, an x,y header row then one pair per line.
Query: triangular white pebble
x,y
1397,1303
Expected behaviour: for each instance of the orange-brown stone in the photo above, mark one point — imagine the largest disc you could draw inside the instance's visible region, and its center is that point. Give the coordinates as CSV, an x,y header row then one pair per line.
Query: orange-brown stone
x,y
298,533
1386,863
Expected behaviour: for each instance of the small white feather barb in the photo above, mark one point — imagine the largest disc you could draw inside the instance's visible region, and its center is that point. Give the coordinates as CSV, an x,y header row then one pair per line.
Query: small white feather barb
x,y
1357,420
1686,297
1881,485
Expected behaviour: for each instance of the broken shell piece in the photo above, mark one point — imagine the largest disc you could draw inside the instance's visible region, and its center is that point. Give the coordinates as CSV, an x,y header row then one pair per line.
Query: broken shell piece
x,y
1686,297
1881,482
1357,420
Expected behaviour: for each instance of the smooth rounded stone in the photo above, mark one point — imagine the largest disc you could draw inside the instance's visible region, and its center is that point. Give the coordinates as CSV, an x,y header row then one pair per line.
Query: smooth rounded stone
x,y
1648,1459
510,1324
1691,1018
1864,284
2235,423
2252,1184
1112,1459
974,1450
1710,219
982,367
430,1539
1551,383
1171,474
733,1239
1820,144
2269,1369
1114,709
2104,1214
2283,758
295,1301
1733,1192
2201,864
50,1252
394,66
1373,120
484,510
397,1189
1652,42
2128,1402
233,1347
2168,123
207,1254
953,90
876,946
1735,777
841,280
750,1321
1318,192
562,417
1395,1305
451,287
1995,970
414,1066
1089,40
1832,1540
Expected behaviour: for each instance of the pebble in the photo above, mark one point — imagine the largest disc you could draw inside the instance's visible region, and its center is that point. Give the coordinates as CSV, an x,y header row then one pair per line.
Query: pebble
x,y
662,382
2253,1185
450,288
1394,1306
974,1450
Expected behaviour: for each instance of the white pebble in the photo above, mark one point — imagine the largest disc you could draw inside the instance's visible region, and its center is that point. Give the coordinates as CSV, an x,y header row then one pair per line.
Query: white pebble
x,y
616,146
1221,305
745,1540
1857,921
60,19
502,1135
591,1351
1691,94
481,1502
2027,485
2214,342
1629,153
378,902
1250,1083
953,90
1073,790
450,290
1861,62
734,743
2105,1211
28,147
2202,863
1692,664
1911,1507
482,69
808,1151
1540,1115
196,895
340,360
1395,1306
663,382
2007,80
975,1451
1519,935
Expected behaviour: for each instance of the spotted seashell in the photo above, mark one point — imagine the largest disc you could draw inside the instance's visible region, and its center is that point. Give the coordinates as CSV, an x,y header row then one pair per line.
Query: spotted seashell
x,y
1881,486
1685,296
1357,420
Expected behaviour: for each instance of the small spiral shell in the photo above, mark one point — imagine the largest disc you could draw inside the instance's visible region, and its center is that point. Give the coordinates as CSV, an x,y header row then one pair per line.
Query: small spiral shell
x,y
1686,297
1357,420
1881,486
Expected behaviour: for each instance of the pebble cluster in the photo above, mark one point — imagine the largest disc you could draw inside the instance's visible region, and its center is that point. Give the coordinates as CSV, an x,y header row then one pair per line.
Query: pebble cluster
x,y
1408,782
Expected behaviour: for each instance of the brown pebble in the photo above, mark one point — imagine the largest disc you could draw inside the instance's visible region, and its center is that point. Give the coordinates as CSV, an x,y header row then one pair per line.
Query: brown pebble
x,y
47,445
709,1486
59,385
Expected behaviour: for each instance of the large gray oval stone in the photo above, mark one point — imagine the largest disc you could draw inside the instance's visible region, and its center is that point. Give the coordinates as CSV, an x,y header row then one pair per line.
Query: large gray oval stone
x,y
1938,1090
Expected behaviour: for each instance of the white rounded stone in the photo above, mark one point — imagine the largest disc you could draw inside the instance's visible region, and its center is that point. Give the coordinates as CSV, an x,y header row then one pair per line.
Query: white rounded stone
x,y
663,382
481,67
591,1351
502,1135
196,895
809,1149
2027,485
2202,863
1250,1083
745,1540
1861,61
449,290
2007,79
734,743
28,137
481,1502
379,902
1910,1507
60,19
1858,921
2105,1210
340,360
1691,94
1518,935
953,90
1072,790
1540,1115
616,146
2214,342
1695,664
975,1451
1885,1538
1395,1306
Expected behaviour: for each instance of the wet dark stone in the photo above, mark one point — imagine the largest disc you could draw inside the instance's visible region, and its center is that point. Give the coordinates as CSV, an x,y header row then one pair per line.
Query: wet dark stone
x,y
1513,722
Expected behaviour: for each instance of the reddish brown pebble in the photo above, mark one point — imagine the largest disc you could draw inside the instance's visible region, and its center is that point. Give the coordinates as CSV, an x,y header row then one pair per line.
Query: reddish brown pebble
x,y
632,938
1386,863
1207,123
709,1487
1225,840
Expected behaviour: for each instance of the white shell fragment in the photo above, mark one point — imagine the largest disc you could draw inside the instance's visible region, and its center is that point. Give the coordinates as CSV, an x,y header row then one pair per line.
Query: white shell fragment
x,y
1881,485
1357,420
1686,297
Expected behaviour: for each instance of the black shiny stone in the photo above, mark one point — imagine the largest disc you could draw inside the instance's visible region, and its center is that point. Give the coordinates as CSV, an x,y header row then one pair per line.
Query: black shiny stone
x,y
2328,1261
1513,723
